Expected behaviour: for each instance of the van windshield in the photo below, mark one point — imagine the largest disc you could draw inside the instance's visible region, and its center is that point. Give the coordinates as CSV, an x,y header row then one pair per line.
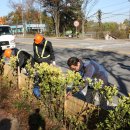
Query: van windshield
x,y
5,30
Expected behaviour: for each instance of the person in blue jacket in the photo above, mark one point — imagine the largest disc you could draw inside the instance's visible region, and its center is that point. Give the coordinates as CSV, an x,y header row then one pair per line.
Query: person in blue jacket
x,y
88,69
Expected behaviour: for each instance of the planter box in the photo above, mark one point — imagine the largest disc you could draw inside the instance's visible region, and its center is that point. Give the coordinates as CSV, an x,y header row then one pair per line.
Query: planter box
x,y
73,105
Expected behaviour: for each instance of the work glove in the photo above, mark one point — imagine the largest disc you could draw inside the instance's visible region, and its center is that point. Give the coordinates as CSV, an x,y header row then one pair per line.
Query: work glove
x,y
36,92
84,91
53,63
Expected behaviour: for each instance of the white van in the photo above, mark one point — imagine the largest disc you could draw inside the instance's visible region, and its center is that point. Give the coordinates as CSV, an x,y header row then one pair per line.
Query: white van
x,y
7,39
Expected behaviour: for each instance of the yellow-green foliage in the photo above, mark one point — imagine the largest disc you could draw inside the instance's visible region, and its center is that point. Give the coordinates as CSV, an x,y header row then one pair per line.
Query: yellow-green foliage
x,y
119,118
52,76
72,77
13,62
53,83
75,81
1,66
107,91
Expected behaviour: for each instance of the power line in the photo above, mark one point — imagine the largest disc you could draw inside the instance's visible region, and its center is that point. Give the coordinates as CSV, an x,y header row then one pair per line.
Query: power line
x,y
112,13
114,16
126,7
109,13
92,15
123,13
115,4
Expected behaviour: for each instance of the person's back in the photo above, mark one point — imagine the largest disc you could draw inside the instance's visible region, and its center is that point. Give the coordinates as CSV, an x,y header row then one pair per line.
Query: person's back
x,y
93,70
21,57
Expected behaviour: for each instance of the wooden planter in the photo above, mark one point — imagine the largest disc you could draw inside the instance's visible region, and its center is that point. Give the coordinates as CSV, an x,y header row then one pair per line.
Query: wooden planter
x,y
73,106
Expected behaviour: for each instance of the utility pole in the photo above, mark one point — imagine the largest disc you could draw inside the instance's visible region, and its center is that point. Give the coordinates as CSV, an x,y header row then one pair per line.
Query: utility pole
x,y
40,13
99,17
23,16
129,22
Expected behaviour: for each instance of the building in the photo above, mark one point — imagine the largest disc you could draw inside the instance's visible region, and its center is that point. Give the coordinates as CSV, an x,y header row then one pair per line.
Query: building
x,y
30,28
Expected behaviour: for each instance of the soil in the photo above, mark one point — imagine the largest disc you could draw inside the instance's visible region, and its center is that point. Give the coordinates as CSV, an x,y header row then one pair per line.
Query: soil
x,y
14,118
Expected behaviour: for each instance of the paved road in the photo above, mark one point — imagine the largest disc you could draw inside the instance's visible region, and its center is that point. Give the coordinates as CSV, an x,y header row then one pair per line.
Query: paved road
x,y
120,46
114,55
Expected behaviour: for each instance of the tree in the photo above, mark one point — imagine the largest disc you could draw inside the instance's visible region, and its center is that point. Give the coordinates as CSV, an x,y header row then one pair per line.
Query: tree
x,y
62,12
66,21
54,8
110,26
86,10
24,12
126,22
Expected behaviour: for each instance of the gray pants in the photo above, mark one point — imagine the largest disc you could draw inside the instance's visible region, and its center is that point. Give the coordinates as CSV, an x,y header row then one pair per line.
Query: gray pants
x,y
92,97
88,95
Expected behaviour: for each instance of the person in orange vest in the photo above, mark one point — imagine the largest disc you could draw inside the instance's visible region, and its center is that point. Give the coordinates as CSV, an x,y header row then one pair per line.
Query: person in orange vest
x,y
22,57
43,50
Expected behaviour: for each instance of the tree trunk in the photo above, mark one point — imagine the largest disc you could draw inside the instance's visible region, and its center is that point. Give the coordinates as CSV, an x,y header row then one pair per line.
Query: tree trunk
x,y
57,17
83,22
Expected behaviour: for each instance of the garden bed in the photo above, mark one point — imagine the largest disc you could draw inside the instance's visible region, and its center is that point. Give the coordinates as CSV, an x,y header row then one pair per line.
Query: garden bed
x,y
56,111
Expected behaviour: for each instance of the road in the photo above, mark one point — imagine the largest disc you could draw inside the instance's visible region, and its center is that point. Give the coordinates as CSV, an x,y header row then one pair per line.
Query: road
x,y
120,46
114,55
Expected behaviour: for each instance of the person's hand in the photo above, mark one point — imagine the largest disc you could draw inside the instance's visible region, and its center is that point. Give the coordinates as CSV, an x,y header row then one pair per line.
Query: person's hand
x,y
53,63
68,95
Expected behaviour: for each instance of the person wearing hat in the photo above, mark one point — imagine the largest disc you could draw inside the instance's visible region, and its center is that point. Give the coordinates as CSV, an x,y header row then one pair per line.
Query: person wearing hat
x,y
22,59
43,50
21,55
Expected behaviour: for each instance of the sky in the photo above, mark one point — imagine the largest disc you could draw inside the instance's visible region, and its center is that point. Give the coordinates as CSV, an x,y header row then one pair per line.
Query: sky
x,y
4,8
112,10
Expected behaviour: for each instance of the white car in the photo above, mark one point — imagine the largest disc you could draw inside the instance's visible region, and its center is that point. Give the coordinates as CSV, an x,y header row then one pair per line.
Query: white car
x,y
7,39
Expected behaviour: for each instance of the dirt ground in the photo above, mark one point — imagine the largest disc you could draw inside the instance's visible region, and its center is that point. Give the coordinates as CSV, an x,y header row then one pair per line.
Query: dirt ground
x,y
14,117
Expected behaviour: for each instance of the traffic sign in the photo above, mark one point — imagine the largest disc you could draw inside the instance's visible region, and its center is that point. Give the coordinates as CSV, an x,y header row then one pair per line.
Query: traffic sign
x,y
76,23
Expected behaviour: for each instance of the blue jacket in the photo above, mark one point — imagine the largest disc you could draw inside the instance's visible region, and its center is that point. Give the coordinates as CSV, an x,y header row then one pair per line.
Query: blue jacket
x,y
91,69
